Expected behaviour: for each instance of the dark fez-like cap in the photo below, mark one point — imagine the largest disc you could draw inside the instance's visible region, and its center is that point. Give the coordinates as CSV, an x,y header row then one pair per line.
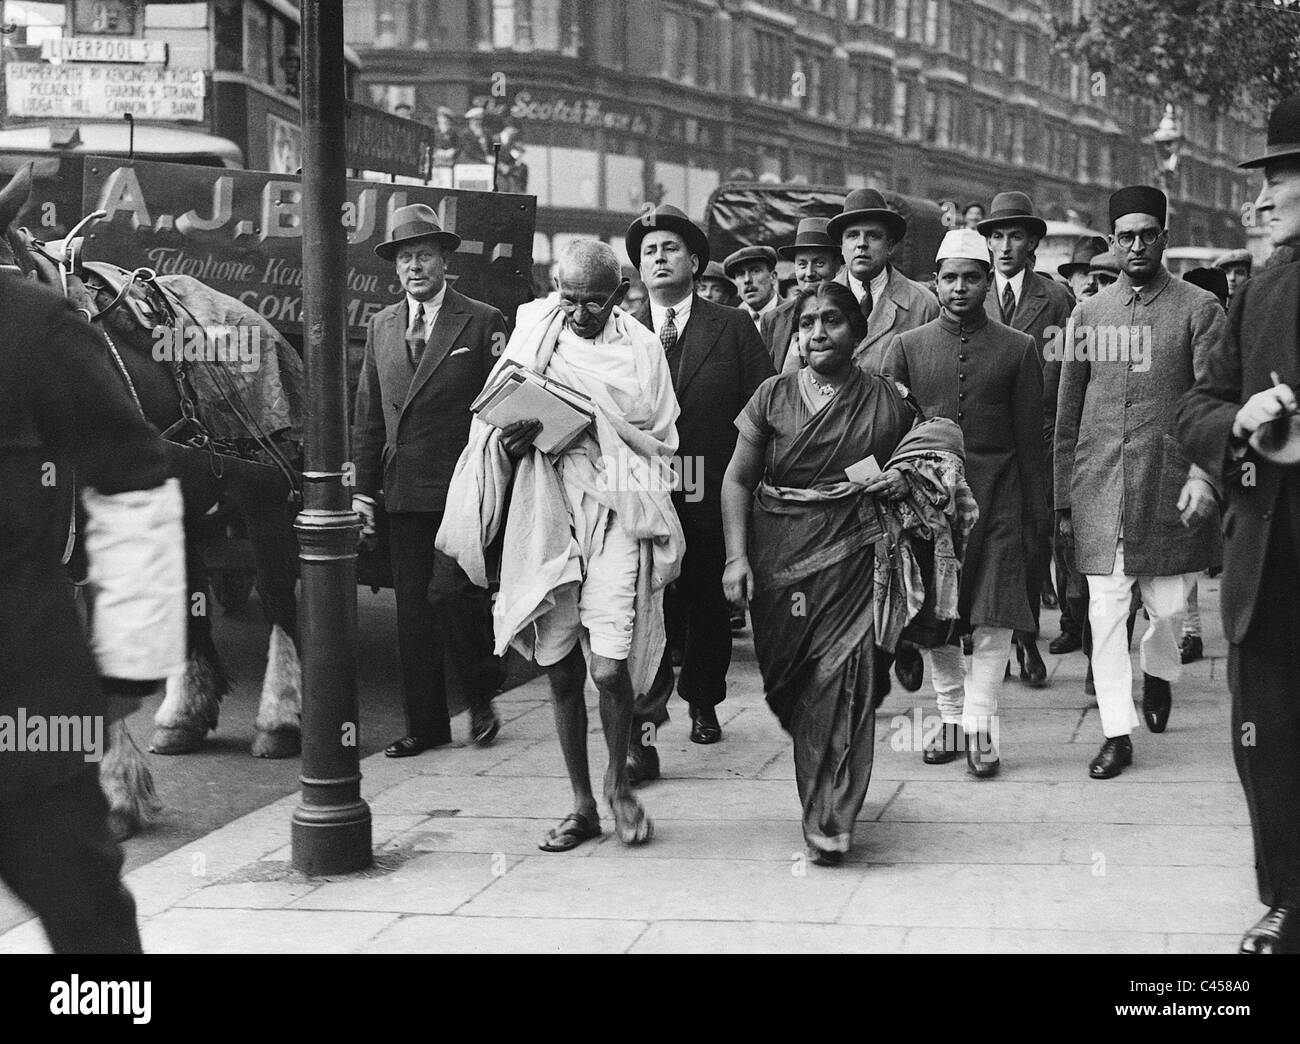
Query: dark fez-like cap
x,y
1139,199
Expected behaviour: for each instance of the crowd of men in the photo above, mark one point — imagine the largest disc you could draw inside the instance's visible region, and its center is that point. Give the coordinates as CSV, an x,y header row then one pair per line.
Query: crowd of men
x,y
1117,423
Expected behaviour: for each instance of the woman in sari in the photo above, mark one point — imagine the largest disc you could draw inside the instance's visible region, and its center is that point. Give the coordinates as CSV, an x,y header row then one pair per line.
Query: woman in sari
x,y
800,542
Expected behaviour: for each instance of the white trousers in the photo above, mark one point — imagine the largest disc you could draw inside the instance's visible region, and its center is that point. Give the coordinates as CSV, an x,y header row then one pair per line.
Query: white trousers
x,y
971,698
1163,598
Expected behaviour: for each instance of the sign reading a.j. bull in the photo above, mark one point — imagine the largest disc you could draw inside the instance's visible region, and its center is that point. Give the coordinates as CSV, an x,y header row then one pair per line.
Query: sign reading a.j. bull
x,y
240,232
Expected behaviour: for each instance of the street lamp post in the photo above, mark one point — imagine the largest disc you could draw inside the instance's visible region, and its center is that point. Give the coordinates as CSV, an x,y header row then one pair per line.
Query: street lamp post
x,y
1168,141
331,827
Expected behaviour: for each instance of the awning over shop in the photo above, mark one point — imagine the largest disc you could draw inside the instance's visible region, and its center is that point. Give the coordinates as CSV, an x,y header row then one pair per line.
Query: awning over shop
x,y
167,144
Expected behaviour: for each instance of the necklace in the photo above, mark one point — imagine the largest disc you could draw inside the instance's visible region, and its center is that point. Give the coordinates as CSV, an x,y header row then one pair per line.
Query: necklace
x,y
826,390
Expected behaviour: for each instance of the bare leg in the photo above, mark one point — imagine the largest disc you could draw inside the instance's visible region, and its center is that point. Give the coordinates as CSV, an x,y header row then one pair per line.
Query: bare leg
x,y
616,705
567,679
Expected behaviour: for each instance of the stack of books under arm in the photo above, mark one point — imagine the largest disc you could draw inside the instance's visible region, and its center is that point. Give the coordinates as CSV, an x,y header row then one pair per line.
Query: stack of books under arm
x,y
519,393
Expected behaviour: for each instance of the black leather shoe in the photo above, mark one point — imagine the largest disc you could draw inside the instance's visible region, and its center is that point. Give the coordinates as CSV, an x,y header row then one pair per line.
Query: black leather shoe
x,y
704,725
982,760
642,763
1116,754
1278,931
1065,643
945,746
409,746
483,724
1192,648
909,668
1156,702
1033,672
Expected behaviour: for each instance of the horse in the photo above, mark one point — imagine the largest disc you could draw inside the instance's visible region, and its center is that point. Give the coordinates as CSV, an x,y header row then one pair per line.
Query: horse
x,y
134,317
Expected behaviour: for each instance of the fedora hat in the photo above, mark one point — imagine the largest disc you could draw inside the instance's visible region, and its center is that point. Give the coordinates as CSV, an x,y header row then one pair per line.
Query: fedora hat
x,y
1085,249
415,221
736,259
1283,134
715,273
866,205
666,218
810,235
1012,208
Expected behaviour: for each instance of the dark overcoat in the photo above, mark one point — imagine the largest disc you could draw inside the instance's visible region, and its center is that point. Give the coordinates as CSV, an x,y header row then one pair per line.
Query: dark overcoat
x,y
985,376
1119,467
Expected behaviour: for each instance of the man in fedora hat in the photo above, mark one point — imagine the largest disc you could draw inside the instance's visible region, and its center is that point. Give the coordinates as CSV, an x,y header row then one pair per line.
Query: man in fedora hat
x,y
1078,270
867,232
987,378
754,270
717,361
1022,299
426,359
1236,266
816,260
1244,393
714,286
1139,512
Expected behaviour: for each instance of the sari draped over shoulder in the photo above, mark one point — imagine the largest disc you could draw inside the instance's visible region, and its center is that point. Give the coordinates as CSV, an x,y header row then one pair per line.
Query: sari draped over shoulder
x,y
811,549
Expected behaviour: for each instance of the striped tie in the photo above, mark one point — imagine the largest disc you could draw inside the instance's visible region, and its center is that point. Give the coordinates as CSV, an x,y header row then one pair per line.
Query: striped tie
x,y
668,338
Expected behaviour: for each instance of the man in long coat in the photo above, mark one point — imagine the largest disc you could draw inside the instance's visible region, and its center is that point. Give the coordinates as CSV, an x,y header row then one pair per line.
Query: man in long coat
x,y
816,259
1220,421
1139,512
986,377
1022,299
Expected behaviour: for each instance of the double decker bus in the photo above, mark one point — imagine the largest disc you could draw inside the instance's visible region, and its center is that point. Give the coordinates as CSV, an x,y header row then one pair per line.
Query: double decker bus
x,y
211,82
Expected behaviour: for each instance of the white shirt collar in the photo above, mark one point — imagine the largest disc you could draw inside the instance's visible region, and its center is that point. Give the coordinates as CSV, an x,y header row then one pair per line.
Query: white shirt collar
x,y
431,309
771,306
681,313
1017,282
879,283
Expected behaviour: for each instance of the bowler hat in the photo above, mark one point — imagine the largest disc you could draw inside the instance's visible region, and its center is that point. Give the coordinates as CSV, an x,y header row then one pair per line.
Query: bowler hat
x,y
666,218
810,235
866,205
1211,279
744,255
1234,257
714,271
1085,249
415,221
1283,133
1012,208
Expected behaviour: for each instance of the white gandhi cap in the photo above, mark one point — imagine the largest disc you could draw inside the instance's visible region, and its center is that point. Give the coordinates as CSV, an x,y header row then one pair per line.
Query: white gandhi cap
x,y
965,243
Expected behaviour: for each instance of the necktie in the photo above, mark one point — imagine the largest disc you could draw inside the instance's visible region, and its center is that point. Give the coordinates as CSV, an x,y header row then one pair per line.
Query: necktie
x,y
1008,304
866,304
668,338
415,336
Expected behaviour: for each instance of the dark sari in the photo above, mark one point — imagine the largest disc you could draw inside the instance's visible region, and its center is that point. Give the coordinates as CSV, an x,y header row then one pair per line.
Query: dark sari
x,y
810,547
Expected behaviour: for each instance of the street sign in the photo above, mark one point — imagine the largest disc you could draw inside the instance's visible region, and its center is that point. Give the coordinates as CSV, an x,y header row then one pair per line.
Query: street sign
x,y
103,49
378,140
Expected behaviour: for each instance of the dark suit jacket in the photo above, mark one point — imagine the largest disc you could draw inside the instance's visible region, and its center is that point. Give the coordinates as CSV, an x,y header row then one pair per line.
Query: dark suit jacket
x,y
1043,303
777,330
723,363
1263,337
408,431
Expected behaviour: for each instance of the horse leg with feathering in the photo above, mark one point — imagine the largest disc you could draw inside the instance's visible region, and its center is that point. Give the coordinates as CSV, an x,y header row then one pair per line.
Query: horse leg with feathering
x,y
230,441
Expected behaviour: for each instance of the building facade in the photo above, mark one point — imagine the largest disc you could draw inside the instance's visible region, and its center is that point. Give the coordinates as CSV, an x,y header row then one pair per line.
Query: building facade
x,y
617,104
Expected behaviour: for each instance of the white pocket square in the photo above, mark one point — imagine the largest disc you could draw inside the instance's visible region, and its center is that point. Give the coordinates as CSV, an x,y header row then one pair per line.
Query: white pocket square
x,y
463,348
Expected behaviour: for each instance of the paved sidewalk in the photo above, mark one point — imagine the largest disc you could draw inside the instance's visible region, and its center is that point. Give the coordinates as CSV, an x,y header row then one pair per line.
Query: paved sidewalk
x,y
1040,859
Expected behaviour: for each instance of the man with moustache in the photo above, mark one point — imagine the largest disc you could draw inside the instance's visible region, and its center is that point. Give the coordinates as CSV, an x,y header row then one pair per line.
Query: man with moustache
x,y
1238,424
1022,299
1140,514
717,360
816,260
867,232
987,378
426,359
1078,270
753,268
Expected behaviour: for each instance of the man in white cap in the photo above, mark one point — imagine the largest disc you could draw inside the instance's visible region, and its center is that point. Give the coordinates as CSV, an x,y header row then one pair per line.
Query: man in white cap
x,y
987,378
426,359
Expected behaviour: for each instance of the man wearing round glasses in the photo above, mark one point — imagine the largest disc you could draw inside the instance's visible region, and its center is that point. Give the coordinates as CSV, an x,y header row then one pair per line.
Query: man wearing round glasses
x,y
1140,513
